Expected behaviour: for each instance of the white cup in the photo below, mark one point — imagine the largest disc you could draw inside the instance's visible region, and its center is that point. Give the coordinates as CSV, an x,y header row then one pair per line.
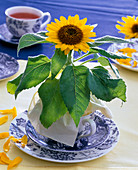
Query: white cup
x,y
18,27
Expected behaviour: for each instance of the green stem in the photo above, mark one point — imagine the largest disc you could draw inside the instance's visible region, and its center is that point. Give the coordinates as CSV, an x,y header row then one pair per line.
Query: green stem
x,y
70,57
88,61
80,57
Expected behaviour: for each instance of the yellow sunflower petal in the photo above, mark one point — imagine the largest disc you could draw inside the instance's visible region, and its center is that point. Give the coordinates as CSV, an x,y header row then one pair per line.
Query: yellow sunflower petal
x,y
58,45
4,158
119,27
71,47
137,20
82,47
66,51
83,21
126,50
4,135
86,27
124,61
24,140
7,111
53,36
63,47
63,20
122,23
90,40
15,139
136,35
2,163
14,113
129,54
90,34
135,64
6,145
75,48
3,120
76,19
56,20
70,20
14,162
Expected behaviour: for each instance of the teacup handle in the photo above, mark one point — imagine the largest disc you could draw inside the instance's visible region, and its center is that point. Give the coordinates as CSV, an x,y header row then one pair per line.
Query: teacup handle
x,y
92,126
47,21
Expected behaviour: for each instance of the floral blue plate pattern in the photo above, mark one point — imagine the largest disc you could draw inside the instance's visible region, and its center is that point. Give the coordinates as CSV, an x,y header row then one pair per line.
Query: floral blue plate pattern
x,y
85,143
8,66
6,36
115,47
18,129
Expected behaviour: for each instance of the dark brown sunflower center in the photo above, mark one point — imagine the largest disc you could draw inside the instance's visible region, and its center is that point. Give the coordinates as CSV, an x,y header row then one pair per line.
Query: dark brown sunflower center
x,y
135,28
70,34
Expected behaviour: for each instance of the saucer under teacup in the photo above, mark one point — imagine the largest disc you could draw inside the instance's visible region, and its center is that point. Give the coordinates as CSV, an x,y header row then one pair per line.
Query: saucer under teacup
x,y
17,129
89,142
6,36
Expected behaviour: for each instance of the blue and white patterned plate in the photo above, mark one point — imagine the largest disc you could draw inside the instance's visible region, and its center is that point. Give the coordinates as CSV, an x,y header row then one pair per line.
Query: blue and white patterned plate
x,y
6,36
115,47
85,143
17,129
8,66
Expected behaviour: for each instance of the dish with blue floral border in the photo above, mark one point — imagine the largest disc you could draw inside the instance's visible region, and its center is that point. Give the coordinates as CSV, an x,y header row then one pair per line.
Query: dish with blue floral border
x,y
17,129
83,144
6,36
115,47
8,66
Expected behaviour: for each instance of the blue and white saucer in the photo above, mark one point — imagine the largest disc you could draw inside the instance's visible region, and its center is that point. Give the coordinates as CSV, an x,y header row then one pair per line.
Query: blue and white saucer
x,y
8,66
85,143
56,152
6,36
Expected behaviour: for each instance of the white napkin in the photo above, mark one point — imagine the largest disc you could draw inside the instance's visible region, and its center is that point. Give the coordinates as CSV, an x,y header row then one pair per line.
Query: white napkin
x,y
64,130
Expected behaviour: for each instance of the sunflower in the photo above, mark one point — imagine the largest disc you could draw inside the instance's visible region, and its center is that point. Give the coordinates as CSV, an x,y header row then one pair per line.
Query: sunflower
x,y
129,27
70,34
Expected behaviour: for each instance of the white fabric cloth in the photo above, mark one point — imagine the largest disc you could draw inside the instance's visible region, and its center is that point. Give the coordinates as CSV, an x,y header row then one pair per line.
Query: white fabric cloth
x,y
64,130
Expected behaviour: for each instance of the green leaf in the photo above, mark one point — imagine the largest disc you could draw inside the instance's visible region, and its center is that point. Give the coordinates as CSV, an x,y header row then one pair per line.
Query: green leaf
x,y
107,39
104,87
110,54
12,85
74,90
30,39
112,39
58,61
115,70
42,33
37,70
103,61
53,104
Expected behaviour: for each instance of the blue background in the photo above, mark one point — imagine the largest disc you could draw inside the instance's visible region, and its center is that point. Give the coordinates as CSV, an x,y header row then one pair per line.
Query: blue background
x,y
105,13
